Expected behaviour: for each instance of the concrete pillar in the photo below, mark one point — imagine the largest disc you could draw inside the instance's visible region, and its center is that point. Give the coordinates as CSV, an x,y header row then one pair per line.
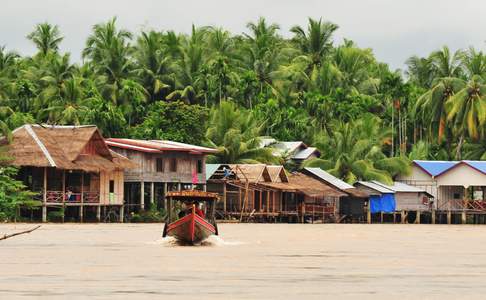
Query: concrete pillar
x,y
122,210
81,213
449,217
152,193
463,217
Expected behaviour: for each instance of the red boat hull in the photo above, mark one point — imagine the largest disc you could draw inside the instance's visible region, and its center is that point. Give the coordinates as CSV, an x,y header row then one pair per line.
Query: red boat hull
x,y
191,229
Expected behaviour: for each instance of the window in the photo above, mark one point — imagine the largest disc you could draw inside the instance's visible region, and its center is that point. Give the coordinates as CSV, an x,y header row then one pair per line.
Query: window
x,y
173,164
112,186
159,165
199,166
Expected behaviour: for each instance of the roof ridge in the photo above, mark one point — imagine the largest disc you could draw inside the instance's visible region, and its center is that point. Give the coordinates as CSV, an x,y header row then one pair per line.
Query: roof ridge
x,y
43,148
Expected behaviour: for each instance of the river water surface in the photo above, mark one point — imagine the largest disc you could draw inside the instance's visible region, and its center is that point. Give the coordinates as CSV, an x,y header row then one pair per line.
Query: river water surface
x,y
249,261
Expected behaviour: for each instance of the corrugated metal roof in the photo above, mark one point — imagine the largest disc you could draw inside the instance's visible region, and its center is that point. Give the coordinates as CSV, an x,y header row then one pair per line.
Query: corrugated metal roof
x,y
477,164
400,187
210,169
304,154
157,146
435,168
377,187
329,178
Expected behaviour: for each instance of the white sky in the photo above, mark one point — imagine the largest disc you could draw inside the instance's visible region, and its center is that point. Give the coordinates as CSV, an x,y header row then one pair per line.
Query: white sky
x,y
395,29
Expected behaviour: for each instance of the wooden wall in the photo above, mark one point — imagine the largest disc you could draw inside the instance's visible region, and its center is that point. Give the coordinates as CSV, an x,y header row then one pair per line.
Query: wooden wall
x,y
146,171
105,178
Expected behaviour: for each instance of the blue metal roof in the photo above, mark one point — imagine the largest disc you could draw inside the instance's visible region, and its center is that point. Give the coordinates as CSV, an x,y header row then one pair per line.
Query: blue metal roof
x,y
435,168
477,164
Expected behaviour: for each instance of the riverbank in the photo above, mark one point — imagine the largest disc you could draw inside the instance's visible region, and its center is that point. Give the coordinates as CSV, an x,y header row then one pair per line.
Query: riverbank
x,y
285,261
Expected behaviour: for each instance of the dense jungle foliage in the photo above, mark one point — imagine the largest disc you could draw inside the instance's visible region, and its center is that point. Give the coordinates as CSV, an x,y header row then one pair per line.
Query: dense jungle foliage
x,y
226,90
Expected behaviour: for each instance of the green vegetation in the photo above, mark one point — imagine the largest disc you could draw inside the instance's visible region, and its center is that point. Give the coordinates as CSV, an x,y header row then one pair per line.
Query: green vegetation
x,y
227,90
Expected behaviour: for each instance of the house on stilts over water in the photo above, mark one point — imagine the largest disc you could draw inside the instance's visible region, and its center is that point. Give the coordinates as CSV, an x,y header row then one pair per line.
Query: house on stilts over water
x,y
71,170
459,188
161,166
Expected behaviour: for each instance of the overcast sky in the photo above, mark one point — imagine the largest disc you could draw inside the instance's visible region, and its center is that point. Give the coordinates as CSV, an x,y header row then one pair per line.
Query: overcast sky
x,y
394,29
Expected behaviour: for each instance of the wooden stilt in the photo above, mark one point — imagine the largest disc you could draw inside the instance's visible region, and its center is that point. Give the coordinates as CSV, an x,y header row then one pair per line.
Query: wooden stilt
x,y
165,193
98,213
142,195
433,216
44,197
463,217
394,217
81,208
224,198
449,217
402,217
368,216
381,217
417,218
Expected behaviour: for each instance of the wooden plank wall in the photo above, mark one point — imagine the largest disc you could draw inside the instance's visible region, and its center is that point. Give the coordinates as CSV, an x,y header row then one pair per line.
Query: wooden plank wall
x,y
146,171
105,177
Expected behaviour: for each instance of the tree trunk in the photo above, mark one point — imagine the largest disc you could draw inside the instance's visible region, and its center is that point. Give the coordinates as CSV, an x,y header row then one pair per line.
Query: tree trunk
x,y
459,147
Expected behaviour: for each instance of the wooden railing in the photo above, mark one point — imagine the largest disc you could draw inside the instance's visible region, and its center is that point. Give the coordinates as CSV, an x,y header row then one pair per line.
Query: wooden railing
x,y
317,209
60,197
460,204
91,197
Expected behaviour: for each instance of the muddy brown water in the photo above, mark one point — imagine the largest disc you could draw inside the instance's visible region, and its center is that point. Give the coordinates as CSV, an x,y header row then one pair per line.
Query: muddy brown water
x,y
249,261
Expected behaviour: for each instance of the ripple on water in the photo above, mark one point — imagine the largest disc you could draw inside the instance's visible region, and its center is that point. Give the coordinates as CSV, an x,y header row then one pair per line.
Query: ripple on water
x,y
212,241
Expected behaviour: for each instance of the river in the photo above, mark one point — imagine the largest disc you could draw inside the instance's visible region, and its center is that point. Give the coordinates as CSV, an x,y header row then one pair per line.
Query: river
x,y
248,261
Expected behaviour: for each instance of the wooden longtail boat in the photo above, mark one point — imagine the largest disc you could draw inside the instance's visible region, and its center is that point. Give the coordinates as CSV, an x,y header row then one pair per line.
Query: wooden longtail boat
x,y
193,226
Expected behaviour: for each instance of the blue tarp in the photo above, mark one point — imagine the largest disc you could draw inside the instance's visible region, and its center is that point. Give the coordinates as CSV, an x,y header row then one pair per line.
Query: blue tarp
x,y
383,203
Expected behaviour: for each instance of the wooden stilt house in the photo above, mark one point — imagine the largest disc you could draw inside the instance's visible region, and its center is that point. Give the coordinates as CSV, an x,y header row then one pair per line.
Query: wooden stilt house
x,y
71,170
161,166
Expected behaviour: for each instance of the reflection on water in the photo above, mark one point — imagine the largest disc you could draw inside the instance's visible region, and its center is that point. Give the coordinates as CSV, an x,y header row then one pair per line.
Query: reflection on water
x,y
247,261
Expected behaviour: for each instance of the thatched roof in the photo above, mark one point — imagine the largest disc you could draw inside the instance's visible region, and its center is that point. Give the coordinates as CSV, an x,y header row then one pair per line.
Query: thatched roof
x,y
64,147
313,187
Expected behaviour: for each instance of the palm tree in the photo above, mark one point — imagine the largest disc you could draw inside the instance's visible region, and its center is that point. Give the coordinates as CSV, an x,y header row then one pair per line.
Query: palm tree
x,y
473,63
236,134
353,151
431,105
467,108
109,48
154,65
445,63
316,43
420,71
46,37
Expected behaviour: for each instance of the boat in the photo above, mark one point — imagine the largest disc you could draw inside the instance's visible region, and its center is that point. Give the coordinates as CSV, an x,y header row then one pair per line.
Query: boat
x,y
193,224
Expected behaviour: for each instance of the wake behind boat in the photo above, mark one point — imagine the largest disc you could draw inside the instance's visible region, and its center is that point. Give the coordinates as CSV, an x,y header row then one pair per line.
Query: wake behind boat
x,y
193,224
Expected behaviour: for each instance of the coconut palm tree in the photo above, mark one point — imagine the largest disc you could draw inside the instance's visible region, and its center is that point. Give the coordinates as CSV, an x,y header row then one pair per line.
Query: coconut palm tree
x,y
46,37
154,65
431,105
236,134
354,152
467,109
316,43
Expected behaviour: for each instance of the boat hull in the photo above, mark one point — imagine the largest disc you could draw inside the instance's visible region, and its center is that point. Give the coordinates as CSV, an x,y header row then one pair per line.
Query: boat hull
x,y
191,229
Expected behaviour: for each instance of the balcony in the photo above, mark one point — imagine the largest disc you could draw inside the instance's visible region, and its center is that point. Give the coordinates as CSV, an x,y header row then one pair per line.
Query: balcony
x,y
58,197
462,204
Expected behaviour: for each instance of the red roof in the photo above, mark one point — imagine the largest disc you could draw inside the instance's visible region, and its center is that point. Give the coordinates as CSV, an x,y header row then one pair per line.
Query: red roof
x,y
157,146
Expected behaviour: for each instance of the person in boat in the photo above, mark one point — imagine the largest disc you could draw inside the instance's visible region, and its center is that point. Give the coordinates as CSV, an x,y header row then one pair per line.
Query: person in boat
x,y
198,210
188,209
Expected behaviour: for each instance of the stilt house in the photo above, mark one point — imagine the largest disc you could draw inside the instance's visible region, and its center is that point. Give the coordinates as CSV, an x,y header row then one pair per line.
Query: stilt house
x,y
70,168
161,166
